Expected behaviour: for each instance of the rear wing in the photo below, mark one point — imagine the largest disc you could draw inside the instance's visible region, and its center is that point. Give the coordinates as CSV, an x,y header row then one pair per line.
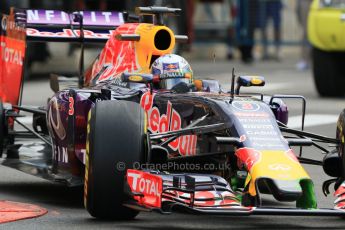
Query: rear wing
x,y
27,25
60,26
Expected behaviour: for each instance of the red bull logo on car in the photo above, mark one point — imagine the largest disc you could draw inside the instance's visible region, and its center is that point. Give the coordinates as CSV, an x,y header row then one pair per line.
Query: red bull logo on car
x,y
170,66
169,121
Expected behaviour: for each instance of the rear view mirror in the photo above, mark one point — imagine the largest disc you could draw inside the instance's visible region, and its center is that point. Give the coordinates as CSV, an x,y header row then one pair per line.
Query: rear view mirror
x,y
248,81
137,77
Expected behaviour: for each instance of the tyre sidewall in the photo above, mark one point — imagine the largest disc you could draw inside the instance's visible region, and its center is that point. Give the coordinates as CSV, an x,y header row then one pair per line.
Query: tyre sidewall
x,y
115,136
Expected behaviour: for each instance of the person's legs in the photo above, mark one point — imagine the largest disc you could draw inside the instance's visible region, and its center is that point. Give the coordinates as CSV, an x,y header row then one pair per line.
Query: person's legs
x,y
276,16
246,53
231,30
208,11
302,15
230,39
241,28
253,7
263,17
245,28
305,51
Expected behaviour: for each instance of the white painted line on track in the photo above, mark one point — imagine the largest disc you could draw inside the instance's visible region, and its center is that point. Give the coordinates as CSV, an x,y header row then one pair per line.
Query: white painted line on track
x,y
26,120
312,120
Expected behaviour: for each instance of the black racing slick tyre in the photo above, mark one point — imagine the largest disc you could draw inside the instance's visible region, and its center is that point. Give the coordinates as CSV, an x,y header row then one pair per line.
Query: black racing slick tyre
x,y
329,72
115,141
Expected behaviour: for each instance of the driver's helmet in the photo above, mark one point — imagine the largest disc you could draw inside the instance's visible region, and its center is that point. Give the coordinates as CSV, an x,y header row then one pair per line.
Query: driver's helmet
x,y
171,70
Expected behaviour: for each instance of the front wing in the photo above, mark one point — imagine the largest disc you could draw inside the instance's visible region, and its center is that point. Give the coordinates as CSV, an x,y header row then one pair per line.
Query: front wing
x,y
197,194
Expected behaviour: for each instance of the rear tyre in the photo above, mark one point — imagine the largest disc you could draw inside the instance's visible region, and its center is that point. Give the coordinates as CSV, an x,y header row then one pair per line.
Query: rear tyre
x,y
329,72
116,137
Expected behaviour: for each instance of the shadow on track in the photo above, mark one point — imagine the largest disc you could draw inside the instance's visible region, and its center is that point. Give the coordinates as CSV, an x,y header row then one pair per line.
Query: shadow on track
x,y
44,193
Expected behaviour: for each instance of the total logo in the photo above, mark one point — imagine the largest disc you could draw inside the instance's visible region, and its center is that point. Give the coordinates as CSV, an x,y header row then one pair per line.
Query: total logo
x,y
144,185
168,121
149,186
11,55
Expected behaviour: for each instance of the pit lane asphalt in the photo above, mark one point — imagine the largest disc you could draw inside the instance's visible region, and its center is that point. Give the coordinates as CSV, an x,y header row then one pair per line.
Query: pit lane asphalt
x,y
65,205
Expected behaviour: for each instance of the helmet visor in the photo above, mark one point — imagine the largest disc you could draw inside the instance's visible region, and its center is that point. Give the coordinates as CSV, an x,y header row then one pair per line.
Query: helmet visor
x,y
171,82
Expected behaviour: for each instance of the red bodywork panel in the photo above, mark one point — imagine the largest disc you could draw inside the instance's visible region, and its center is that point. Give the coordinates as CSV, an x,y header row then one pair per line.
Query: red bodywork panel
x,y
135,55
118,56
12,52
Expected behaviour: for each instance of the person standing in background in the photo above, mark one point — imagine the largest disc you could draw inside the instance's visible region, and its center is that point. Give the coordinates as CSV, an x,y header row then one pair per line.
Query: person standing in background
x,y
246,23
228,14
302,11
231,31
270,9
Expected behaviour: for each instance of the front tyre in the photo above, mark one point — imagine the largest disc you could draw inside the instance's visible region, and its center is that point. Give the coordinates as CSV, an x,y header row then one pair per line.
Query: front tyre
x,y
116,137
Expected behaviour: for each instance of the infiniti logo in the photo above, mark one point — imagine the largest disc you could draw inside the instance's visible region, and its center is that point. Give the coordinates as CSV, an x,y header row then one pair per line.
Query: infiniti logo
x,y
279,167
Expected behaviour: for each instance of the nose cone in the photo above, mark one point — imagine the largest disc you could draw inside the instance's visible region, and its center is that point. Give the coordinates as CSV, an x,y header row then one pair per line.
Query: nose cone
x,y
279,171
282,190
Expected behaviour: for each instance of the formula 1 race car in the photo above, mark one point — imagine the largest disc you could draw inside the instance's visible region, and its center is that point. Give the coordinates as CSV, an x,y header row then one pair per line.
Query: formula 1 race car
x,y
143,135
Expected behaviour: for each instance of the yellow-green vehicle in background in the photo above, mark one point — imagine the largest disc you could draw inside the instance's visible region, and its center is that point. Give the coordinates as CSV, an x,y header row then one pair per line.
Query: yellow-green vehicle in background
x,y
326,32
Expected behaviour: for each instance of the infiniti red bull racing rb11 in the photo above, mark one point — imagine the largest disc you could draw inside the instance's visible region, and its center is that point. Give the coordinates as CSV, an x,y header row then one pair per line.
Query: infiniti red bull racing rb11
x,y
141,134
